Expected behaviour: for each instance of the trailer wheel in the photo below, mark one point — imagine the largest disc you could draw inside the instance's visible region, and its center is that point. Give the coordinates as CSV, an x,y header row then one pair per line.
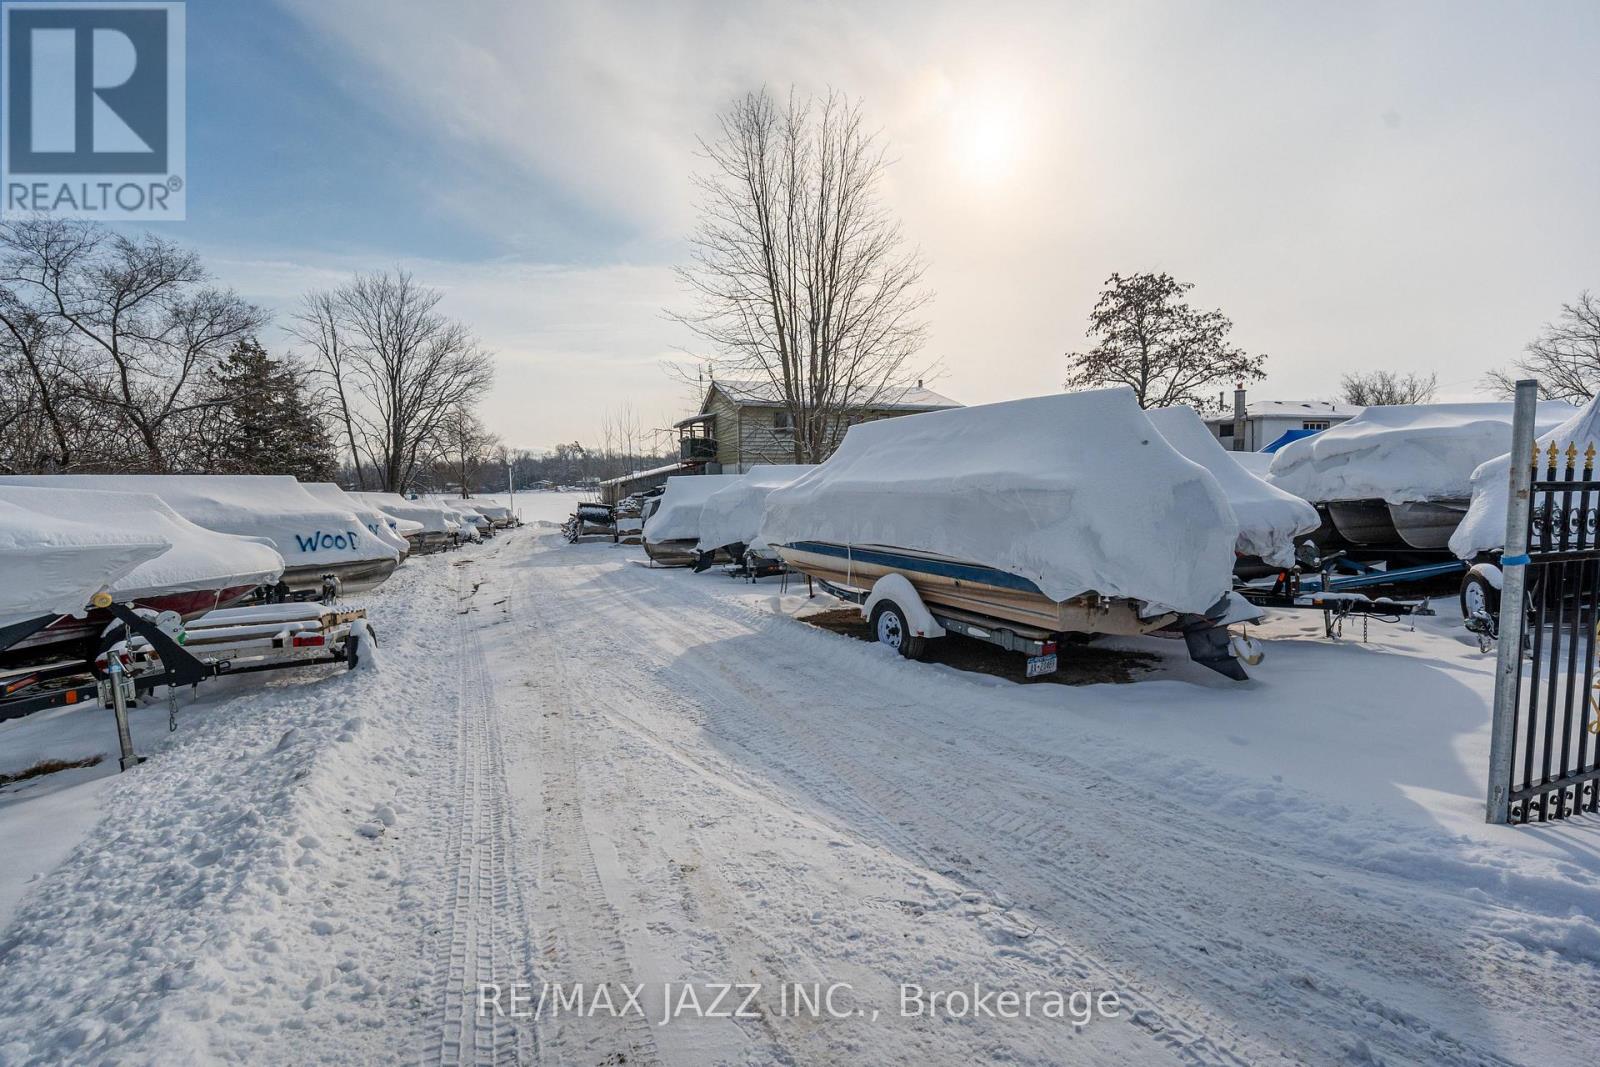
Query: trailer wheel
x,y
355,645
889,626
1479,595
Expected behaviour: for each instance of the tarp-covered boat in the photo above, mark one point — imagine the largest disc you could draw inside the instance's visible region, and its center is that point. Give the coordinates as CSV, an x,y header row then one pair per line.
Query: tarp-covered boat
x,y
54,566
1400,475
1484,528
1270,520
439,526
1066,513
200,571
315,539
381,526
730,518
672,530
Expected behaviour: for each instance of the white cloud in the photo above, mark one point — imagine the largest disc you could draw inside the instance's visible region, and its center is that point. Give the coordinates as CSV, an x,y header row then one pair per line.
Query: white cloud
x,y
1361,186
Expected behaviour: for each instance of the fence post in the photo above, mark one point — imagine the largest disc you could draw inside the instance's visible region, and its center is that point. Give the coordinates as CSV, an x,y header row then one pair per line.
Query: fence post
x,y
1514,573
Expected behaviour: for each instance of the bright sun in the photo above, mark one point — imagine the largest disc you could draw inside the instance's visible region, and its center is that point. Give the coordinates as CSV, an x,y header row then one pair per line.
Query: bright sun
x,y
986,138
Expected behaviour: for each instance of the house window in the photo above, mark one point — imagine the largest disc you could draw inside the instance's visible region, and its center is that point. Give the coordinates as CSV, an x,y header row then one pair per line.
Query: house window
x,y
1225,429
780,420
1315,424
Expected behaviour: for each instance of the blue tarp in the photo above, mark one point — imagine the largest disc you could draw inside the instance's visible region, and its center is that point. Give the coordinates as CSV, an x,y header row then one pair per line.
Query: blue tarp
x,y
1288,436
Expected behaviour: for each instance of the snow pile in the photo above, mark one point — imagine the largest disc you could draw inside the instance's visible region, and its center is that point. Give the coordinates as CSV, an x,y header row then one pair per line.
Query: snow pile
x,y
1401,453
373,519
1484,528
305,531
197,559
1269,518
54,565
677,517
732,514
1077,492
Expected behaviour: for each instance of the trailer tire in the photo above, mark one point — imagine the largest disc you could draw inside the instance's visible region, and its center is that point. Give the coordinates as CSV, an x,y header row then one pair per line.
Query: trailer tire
x,y
1479,594
356,644
889,627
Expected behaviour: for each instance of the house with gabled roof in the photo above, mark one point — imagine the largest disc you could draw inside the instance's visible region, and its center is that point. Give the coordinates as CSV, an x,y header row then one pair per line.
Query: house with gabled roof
x,y
743,423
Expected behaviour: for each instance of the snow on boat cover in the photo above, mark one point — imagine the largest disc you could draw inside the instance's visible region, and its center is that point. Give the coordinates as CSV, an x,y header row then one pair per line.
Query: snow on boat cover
x,y
197,559
305,531
1269,518
732,514
1076,492
53,565
677,518
1484,528
434,519
1401,453
374,520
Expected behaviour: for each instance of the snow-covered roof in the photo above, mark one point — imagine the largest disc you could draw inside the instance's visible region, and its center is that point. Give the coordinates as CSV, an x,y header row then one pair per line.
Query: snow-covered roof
x,y
911,398
651,473
1294,409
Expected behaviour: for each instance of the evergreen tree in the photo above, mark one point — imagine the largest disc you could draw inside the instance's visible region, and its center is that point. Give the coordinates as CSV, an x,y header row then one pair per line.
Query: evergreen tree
x,y
266,422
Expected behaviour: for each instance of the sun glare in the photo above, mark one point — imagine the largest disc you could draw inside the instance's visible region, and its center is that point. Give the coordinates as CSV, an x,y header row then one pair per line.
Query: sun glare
x,y
986,138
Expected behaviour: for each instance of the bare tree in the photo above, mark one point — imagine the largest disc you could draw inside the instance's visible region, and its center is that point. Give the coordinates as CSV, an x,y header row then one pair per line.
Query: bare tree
x,y
1382,388
1565,357
400,368
466,444
798,273
1148,338
319,326
134,322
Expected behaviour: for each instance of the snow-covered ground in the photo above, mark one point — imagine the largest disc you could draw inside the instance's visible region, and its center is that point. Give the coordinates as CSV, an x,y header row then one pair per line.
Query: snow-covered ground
x,y
572,767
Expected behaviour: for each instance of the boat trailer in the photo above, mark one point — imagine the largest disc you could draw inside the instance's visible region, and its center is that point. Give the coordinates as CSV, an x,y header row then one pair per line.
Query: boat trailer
x,y
1340,596
143,651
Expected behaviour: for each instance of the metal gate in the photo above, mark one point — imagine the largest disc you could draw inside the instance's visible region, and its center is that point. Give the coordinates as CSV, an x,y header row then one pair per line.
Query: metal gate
x,y
1545,755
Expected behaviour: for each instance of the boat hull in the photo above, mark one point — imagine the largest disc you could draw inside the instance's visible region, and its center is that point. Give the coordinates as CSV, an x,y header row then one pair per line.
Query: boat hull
x,y
1363,522
683,553
354,577
970,588
1428,524
192,604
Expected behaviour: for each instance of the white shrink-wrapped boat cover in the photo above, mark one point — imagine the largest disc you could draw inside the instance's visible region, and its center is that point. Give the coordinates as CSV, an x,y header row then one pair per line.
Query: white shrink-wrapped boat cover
x,y
373,519
1269,519
1076,492
198,559
1256,463
1401,453
497,512
1484,528
677,517
305,531
434,519
732,514
51,565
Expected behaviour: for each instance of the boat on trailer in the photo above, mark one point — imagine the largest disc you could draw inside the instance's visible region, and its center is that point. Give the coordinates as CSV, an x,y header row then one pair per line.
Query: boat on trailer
x,y
672,528
199,572
1002,608
323,546
1019,523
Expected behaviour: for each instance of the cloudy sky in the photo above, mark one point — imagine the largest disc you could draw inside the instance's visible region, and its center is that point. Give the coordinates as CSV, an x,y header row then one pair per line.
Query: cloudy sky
x,y
1358,185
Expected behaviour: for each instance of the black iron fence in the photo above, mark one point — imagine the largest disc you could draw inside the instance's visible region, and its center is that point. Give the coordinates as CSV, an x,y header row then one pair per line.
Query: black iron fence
x,y
1555,764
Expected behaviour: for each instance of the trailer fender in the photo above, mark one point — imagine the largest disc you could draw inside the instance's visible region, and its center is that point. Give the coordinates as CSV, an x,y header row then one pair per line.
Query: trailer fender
x,y
1490,573
898,588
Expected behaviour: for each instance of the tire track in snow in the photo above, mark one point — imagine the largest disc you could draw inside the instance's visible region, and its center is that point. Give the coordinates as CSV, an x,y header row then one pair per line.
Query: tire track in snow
x,y
1003,819
485,940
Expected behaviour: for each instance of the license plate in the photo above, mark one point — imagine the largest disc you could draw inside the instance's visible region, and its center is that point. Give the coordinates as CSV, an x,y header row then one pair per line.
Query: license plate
x,y
1038,665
